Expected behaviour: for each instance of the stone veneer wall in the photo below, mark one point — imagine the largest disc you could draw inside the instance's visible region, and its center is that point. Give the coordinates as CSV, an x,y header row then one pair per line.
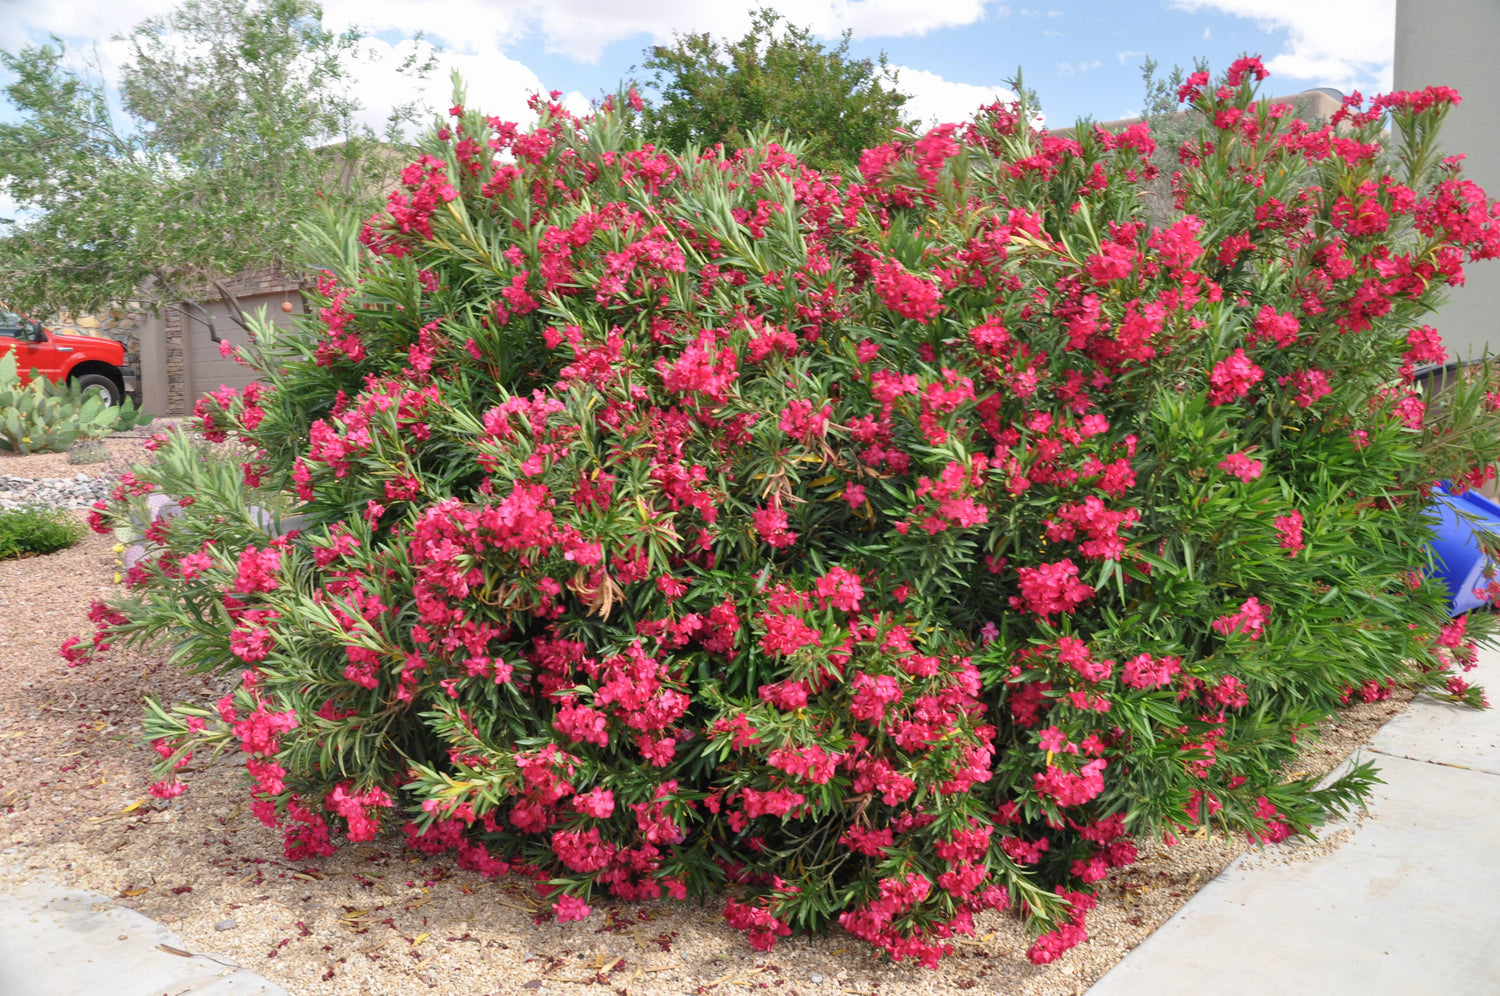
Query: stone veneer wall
x,y
176,368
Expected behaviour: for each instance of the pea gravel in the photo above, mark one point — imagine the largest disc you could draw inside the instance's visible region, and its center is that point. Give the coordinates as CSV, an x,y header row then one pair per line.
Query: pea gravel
x,y
375,919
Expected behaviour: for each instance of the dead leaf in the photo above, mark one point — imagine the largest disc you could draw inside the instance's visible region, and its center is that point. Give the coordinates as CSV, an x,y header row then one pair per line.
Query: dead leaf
x,y
176,951
134,806
132,893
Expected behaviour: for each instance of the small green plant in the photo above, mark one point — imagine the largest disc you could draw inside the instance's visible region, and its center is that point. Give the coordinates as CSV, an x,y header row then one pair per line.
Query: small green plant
x,y
40,416
88,451
26,532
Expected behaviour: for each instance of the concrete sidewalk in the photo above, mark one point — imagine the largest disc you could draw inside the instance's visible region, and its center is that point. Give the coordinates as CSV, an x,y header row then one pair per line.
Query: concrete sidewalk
x,y
56,941
1409,904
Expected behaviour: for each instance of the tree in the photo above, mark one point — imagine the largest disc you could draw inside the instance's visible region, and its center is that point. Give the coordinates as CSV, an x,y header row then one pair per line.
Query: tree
x,y
1172,123
239,115
775,77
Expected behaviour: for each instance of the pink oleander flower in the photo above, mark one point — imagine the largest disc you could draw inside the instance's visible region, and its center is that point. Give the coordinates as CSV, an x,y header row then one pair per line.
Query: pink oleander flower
x,y
1310,385
1240,465
1049,589
1275,327
762,927
1289,527
257,570
1249,619
1231,378
598,803
570,908
1075,653
841,589
907,295
193,564
1144,671
771,524
168,789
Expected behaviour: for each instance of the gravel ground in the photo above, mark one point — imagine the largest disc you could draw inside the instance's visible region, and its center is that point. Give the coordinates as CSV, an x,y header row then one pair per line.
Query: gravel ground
x,y
375,919
125,450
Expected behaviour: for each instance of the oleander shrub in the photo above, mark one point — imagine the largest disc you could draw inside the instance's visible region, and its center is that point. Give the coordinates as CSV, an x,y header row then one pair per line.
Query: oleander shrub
x,y
30,531
40,416
885,548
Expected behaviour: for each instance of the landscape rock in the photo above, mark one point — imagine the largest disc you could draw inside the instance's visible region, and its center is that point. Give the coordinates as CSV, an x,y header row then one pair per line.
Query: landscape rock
x,y
78,491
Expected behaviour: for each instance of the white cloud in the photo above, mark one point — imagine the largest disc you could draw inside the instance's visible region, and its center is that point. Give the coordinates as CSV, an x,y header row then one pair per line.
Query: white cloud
x,y
579,28
31,21
1077,68
935,100
34,22
1346,44
582,29
9,209
473,33
496,83
1128,54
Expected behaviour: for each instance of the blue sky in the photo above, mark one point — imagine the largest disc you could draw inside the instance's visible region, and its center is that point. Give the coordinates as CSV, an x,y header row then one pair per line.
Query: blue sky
x,y
1081,56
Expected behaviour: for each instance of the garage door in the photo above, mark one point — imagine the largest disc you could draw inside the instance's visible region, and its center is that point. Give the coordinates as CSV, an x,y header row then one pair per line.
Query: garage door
x,y
206,369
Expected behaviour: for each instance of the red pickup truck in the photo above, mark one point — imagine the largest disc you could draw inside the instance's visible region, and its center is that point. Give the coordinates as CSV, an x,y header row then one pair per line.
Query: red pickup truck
x,y
97,364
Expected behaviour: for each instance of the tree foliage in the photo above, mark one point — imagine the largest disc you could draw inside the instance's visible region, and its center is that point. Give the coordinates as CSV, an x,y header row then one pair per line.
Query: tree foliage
x,y
776,77
238,115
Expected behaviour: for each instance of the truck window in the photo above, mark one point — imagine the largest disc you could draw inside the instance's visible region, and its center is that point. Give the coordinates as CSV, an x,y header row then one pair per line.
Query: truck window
x,y
12,325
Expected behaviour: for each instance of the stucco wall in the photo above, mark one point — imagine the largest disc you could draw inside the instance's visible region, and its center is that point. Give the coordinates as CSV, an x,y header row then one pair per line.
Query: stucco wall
x,y
1457,43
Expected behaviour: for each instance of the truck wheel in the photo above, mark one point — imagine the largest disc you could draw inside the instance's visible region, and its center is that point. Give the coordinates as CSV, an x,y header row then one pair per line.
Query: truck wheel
x,y
99,382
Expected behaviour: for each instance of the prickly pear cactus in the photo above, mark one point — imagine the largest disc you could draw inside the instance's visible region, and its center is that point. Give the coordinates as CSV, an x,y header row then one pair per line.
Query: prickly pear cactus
x,y
42,417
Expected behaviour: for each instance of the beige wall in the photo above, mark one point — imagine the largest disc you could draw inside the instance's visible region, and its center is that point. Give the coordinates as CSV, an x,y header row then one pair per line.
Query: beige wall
x,y
153,366
1457,43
